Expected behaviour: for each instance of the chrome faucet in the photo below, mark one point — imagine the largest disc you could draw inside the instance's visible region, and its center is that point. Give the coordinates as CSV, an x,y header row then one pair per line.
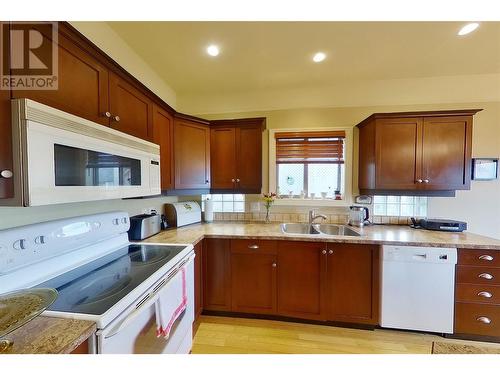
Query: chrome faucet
x,y
313,216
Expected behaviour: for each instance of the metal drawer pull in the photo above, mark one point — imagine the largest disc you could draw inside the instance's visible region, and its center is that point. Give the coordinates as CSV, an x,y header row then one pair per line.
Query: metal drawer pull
x,y
330,252
486,276
255,247
489,258
274,265
323,252
485,294
484,319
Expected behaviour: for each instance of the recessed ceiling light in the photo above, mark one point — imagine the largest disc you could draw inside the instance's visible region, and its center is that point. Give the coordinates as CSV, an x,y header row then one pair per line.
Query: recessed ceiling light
x,y
318,57
470,27
213,50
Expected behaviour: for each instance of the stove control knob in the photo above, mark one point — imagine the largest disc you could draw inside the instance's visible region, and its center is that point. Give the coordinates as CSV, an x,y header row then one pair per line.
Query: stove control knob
x,y
20,244
116,221
124,220
97,225
40,240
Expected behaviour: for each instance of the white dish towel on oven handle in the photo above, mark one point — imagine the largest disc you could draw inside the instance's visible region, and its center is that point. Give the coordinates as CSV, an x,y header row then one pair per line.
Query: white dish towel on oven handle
x,y
171,303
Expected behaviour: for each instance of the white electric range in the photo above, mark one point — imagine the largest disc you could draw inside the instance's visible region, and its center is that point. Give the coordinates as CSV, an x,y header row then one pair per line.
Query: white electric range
x,y
101,276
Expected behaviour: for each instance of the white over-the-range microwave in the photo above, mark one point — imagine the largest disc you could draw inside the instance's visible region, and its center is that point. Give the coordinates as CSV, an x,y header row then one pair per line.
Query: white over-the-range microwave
x,y
62,158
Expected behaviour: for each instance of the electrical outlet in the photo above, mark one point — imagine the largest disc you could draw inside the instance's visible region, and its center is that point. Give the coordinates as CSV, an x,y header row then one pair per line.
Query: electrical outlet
x,y
254,206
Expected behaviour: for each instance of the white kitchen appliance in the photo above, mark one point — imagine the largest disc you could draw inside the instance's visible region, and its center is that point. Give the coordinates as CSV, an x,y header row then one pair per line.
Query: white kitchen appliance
x,y
62,158
101,276
182,213
418,288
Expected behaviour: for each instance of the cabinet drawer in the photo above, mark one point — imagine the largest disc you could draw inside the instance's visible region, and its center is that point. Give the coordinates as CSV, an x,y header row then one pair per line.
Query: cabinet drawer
x,y
478,275
478,293
477,319
253,246
474,257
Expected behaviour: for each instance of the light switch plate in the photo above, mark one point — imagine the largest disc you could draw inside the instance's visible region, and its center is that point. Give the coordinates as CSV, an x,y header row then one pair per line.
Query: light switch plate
x,y
254,206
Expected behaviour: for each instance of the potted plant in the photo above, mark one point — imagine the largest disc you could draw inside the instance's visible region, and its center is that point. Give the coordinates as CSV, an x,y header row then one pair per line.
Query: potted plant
x,y
268,202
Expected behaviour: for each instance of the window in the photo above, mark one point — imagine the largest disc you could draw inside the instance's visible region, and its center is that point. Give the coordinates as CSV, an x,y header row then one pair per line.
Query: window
x,y
310,163
225,202
399,206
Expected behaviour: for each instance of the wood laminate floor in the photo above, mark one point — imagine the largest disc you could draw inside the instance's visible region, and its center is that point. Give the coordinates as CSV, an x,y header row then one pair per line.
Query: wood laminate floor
x,y
223,335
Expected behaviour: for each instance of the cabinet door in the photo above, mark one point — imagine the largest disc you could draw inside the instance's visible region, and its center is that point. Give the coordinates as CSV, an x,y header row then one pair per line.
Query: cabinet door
x,y
216,275
301,280
82,84
131,110
249,159
198,279
6,184
191,154
398,154
163,134
352,283
446,152
253,276
223,158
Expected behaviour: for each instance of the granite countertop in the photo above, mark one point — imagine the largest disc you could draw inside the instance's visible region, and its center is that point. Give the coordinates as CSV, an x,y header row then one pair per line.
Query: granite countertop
x,y
374,234
45,335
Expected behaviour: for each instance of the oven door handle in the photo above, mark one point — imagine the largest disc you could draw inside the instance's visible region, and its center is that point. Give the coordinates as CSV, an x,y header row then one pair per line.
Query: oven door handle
x,y
146,303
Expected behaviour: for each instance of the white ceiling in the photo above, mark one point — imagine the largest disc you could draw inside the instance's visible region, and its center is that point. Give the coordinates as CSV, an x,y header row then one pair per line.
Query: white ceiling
x,y
277,55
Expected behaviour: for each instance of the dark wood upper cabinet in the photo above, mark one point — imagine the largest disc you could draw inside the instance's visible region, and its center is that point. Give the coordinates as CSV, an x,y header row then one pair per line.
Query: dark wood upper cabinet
x,y
6,182
415,152
253,276
131,110
163,135
216,274
236,155
82,84
191,154
301,279
352,286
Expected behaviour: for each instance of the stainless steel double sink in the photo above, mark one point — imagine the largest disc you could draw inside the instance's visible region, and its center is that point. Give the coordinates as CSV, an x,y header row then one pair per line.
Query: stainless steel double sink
x,y
316,229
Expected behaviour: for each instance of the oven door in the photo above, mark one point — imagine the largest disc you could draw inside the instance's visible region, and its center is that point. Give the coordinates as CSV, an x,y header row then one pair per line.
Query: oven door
x,y
135,331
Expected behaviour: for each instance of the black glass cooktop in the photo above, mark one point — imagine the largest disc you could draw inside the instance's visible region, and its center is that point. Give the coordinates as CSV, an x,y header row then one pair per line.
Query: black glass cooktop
x,y
96,286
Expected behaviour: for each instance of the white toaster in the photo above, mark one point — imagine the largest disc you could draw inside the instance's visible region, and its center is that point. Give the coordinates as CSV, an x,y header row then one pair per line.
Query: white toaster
x,y
182,213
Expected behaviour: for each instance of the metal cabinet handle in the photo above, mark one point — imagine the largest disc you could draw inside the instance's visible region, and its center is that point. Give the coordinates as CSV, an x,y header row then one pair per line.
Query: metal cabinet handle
x,y
485,294
237,180
323,252
330,252
253,247
489,258
426,180
116,118
107,114
6,173
484,319
486,276
274,265
419,180
233,180
207,182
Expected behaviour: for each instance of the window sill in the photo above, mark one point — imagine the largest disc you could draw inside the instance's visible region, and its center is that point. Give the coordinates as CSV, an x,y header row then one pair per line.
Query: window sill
x,y
312,202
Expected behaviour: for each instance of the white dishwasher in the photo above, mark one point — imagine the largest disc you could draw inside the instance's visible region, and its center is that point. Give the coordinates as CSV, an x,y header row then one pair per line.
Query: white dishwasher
x,y
418,288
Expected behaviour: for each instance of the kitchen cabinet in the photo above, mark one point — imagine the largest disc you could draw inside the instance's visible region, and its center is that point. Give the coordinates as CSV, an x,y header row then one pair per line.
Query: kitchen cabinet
x,y
352,283
301,279
477,295
198,280
253,276
6,167
163,135
236,155
191,153
82,83
216,275
422,153
131,110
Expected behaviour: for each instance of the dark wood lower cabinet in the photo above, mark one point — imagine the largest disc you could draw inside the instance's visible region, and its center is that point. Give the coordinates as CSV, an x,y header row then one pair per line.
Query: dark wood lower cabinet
x,y
302,279
293,279
216,275
253,276
198,279
353,283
